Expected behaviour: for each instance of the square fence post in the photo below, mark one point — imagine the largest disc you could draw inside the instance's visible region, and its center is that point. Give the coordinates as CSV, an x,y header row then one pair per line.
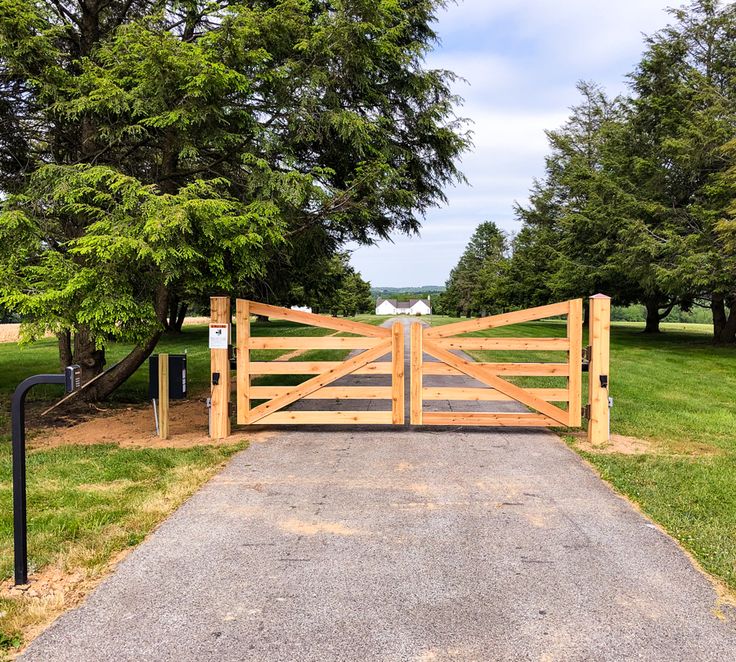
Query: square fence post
x,y
598,372
220,373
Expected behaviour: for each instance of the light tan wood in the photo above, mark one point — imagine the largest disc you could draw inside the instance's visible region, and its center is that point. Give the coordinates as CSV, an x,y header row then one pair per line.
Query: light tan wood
x,y
510,369
494,321
491,379
544,344
504,419
599,331
163,396
242,376
326,392
314,367
311,385
397,377
489,394
314,342
327,418
575,377
324,321
415,387
220,363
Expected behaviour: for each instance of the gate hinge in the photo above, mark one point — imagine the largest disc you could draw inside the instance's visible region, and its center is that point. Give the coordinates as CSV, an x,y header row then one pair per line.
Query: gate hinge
x,y
586,412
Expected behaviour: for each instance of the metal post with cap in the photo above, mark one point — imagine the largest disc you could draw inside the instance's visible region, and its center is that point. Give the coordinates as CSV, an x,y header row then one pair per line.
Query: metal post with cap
x,y
71,379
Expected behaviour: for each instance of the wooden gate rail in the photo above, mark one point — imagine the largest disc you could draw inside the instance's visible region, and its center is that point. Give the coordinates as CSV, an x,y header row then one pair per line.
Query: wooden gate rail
x,y
440,342
376,341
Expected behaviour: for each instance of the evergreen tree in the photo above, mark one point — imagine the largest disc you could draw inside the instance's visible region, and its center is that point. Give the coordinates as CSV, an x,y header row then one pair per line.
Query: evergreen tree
x,y
152,153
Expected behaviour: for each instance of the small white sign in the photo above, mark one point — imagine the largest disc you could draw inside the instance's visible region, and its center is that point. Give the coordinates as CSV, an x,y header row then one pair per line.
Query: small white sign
x,y
219,336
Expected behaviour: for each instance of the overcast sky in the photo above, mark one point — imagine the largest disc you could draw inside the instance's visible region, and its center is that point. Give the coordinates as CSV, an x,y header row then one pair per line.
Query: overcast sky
x,y
522,59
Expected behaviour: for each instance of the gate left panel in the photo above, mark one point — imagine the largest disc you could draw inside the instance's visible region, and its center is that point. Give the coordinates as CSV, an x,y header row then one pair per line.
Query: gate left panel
x,y
304,368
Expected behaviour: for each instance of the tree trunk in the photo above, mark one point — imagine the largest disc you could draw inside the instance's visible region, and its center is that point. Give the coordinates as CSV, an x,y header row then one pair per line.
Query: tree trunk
x,y
180,317
724,324
262,318
66,358
119,373
177,313
653,317
90,359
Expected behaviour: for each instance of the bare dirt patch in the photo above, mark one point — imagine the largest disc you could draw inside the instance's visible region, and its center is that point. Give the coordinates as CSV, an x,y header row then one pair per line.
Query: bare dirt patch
x,y
623,445
134,427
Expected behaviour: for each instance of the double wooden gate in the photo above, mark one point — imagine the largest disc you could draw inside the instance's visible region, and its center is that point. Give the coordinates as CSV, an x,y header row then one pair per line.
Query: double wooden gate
x,y
492,393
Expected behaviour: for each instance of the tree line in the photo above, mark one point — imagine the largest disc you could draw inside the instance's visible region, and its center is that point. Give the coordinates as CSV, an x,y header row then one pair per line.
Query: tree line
x,y
638,199
155,153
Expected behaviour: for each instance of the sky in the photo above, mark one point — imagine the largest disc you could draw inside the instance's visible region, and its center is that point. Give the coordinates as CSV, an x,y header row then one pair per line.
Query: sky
x,y
521,60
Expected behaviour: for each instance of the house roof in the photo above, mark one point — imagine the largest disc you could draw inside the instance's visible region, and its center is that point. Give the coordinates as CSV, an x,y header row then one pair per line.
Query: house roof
x,y
401,305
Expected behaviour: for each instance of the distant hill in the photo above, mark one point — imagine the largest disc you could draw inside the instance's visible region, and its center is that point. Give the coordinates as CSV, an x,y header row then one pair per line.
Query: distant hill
x,y
404,293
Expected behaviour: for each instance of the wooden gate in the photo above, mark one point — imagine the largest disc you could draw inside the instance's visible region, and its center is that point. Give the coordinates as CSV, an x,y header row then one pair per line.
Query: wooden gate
x,y
374,341
541,404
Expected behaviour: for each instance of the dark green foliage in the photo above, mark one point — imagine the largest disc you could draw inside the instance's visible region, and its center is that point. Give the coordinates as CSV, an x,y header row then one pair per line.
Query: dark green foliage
x,y
157,153
475,286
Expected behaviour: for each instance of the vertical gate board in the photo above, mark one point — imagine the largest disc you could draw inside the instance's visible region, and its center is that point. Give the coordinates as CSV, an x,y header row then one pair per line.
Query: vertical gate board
x,y
600,330
416,374
242,375
575,360
397,376
220,363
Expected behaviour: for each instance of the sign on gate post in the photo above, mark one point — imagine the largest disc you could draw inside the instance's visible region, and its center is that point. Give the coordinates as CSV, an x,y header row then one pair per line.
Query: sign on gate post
x,y
220,367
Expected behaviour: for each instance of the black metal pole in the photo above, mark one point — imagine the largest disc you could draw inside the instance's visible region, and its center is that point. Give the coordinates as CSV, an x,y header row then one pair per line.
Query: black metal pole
x,y
20,524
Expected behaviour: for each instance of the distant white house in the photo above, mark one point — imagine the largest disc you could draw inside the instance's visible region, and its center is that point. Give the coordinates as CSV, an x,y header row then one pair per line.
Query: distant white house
x,y
302,309
411,307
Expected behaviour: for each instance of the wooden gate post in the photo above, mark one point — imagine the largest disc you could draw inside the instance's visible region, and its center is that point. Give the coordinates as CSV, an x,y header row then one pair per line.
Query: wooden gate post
x,y
220,373
163,396
598,370
415,410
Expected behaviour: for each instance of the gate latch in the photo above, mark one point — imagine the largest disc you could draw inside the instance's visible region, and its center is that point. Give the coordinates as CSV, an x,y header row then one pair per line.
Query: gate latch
x,y
587,351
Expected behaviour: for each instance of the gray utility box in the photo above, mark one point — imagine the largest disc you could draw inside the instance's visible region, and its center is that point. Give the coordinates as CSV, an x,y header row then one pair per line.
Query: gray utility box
x,y
177,376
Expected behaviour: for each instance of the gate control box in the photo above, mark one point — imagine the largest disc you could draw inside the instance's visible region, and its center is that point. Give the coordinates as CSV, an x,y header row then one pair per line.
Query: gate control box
x,y
177,376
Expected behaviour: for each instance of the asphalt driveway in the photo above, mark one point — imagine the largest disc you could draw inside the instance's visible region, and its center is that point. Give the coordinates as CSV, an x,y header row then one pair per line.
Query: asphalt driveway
x,y
401,544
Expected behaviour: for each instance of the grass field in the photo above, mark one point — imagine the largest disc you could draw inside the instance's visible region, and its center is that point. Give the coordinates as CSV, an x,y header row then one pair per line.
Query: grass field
x,y
674,390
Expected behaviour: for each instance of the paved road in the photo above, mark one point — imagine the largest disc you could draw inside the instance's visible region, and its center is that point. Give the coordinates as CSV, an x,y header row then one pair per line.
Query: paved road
x,y
410,544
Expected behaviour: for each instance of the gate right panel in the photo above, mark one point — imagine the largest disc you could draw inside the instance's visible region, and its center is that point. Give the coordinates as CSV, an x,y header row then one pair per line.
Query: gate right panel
x,y
438,355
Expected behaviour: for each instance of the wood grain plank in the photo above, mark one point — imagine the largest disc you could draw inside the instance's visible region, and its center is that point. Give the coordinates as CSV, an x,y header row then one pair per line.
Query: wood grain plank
x,y
495,321
242,374
487,419
543,344
326,392
600,329
575,359
489,394
397,377
314,367
314,342
509,369
415,387
324,321
327,418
